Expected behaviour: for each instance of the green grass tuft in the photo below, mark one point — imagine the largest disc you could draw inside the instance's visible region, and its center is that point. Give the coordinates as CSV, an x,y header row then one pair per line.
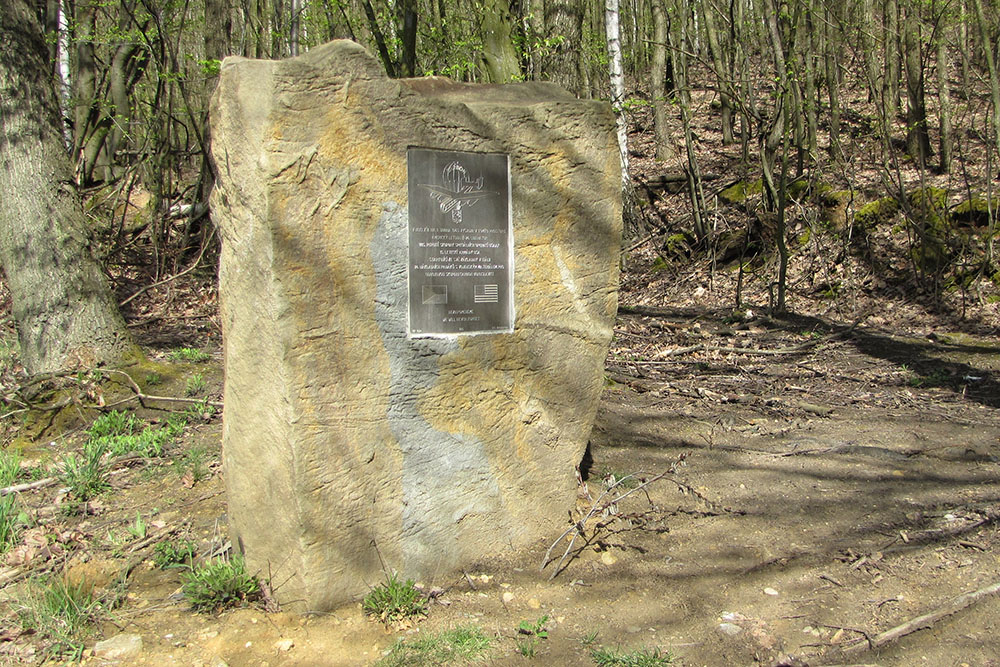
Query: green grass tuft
x,y
62,612
189,354
11,520
85,475
195,385
607,657
10,467
113,423
173,553
463,644
220,584
394,600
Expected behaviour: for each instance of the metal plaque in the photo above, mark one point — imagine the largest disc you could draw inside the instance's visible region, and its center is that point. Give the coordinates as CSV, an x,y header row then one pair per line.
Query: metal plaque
x,y
461,246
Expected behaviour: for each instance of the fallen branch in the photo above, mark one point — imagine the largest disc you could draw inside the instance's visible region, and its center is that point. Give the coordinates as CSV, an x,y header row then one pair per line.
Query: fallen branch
x,y
28,486
142,397
950,607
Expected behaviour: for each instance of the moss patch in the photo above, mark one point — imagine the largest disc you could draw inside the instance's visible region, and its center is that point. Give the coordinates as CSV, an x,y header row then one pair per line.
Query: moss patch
x,y
975,211
876,212
737,193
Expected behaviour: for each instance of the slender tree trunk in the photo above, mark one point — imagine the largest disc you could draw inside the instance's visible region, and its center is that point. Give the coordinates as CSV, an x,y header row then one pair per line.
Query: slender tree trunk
x,y
383,49
811,96
66,314
617,76
918,141
742,62
772,141
832,66
892,66
84,85
965,48
722,74
944,104
294,27
408,37
657,82
991,67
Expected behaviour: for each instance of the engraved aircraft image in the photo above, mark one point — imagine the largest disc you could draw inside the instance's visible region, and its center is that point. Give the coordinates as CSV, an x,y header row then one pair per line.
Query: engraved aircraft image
x,y
458,190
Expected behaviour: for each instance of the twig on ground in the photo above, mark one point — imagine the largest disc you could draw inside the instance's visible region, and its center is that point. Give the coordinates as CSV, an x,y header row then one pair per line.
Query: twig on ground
x,y
952,606
142,397
28,486
578,528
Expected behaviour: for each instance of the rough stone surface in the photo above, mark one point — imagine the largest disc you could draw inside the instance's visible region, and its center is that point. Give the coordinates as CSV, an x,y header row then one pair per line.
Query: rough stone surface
x,y
119,647
347,443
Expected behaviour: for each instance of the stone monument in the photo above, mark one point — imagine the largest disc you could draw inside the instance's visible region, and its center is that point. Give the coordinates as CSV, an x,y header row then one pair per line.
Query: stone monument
x,y
418,289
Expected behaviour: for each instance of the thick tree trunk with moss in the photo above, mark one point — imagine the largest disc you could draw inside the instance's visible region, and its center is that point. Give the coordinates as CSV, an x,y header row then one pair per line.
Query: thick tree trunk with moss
x,y
66,315
501,61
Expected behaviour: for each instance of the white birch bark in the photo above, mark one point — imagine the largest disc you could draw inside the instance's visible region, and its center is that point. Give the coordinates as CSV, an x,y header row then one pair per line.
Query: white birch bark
x,y
613,33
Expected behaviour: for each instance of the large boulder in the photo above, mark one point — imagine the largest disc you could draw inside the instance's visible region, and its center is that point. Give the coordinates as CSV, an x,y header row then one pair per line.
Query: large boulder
x,y
349,444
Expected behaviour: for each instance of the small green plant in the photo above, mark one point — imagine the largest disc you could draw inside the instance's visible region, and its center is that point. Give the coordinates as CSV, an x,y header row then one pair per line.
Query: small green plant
x,y
153,379
467,643
62,612
534,628
191,354
220,584
200,411
10,467
188,354
394,600
11,520
194,461
148,443
534,631
138,528
173,553
527,647
606,657
113,423
123,433
195,385
85,475
589,638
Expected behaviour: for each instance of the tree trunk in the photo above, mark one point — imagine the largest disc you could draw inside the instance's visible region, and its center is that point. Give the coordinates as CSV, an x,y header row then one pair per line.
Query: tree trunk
x,y
564,30
991,67
657,82
918,141
84,85
775,138
408,37
501,62
617,82
722,75
944,104
66,314
832,66
892,68
814,46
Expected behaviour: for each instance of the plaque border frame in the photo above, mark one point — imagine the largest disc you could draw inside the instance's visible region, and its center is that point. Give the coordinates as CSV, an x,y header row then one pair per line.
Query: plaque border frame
x,y
512,309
